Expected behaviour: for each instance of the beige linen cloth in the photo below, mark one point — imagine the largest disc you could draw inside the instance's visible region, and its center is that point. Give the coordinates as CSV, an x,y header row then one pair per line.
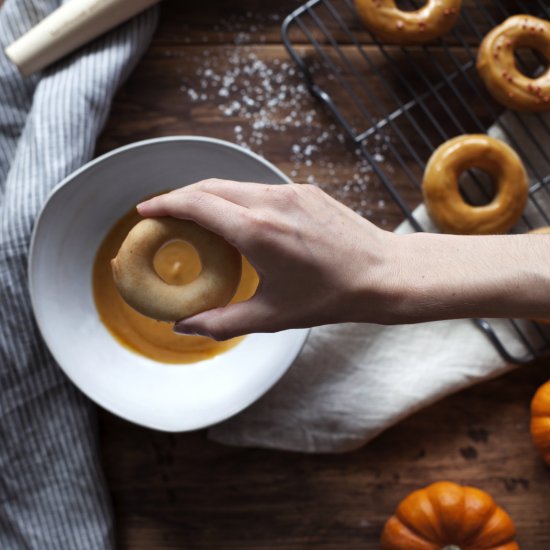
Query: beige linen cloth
x,y
352,381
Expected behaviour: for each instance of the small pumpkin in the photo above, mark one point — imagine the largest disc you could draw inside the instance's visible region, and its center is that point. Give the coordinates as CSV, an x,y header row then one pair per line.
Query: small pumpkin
x,y
447,516
540,421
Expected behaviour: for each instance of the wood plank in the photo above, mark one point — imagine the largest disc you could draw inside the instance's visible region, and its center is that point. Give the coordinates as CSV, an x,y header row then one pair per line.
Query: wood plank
x,y
236,21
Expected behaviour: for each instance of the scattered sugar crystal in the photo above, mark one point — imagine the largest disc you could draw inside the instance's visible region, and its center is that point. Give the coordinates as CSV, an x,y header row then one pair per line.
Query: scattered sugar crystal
x,y
270,100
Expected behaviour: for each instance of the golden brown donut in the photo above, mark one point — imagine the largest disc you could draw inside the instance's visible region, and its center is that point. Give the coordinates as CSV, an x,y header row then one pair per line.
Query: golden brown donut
x,y
144,290
541,230
497,68
441,188
391,24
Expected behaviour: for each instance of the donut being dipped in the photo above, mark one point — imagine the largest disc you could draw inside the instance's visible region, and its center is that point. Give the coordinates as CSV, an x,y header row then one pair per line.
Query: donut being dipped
x,y
440,186
496,63
143,289
384,19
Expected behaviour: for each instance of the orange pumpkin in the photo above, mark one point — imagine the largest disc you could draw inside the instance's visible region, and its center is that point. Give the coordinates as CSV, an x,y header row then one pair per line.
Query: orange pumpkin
x,y
540,421
447,516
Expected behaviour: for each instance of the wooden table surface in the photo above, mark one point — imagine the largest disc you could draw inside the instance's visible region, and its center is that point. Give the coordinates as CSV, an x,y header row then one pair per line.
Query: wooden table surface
x,y
220,70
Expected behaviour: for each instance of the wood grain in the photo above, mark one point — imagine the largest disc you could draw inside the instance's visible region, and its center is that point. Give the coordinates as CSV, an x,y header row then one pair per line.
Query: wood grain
x,y
182,491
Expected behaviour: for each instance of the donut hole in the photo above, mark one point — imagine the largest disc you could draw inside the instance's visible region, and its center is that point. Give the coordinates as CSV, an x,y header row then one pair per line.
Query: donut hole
x,y
177,262
530,62
477,188
409,5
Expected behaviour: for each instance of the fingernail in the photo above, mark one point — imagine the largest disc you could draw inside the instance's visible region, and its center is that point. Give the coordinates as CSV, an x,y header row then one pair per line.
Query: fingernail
x,y
182,329
188,331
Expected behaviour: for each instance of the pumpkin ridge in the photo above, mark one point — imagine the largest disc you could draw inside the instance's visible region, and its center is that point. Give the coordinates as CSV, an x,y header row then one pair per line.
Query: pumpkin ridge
x,y
540,434
410,532
501,543
542,423
437,504
475,536
540,403
487,516
413,528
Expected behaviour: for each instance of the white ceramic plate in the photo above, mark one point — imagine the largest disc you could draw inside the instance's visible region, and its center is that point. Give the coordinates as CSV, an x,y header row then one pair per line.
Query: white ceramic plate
x,y
70,228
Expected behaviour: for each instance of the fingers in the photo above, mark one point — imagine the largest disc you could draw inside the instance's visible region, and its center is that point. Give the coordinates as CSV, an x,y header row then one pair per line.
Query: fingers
x,y
210,211
227,322
221,205
245,194
242,193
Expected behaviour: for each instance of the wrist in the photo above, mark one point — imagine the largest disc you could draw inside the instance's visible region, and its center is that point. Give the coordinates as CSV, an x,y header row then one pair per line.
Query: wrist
x,y
427,277
445,277
430,281
381,290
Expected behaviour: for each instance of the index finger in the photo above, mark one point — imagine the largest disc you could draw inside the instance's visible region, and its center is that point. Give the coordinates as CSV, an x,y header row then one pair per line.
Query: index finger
x,y
214,213
243,193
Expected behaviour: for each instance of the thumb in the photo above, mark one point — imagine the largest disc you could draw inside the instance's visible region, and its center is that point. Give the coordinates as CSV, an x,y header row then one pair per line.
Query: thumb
x,y
225,322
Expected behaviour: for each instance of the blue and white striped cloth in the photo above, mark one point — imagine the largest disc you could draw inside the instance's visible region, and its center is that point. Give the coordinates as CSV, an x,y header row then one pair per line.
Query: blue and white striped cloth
x,y
52,491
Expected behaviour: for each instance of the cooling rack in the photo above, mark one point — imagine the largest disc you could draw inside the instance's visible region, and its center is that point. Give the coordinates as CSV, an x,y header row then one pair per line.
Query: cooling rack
x,y
409,100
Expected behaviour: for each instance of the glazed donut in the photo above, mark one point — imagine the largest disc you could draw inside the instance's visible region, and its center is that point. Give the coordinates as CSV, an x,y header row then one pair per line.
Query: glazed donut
x,y
389,23
497,68
144,290
541,230
441,192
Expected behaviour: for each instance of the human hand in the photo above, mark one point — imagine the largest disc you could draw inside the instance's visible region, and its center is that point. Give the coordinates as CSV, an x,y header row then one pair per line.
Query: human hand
x,y
318,261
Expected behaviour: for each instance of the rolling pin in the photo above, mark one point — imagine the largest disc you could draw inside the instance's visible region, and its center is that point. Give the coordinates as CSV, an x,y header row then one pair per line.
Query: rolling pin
x,y
72,25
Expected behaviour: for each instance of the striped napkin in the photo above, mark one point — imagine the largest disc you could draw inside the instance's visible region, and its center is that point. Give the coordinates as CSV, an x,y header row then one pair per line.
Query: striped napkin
x,y
52,491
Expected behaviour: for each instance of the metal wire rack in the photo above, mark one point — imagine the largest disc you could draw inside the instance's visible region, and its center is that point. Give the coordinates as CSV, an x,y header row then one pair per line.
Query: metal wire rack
x,y
411,99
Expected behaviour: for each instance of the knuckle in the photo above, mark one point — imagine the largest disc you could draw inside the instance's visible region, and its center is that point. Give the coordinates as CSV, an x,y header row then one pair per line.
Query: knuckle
x,y
314,189
258,232
262,223
289,192
165,203
209,181
195,198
